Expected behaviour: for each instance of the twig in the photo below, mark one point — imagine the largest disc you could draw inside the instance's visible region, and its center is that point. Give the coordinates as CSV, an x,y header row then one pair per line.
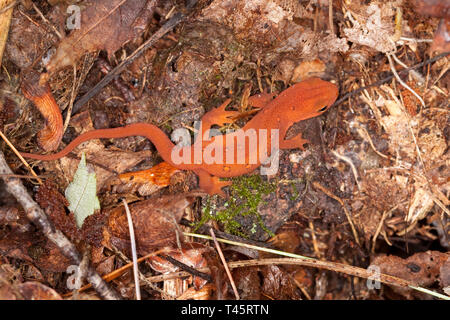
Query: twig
x,y
118,272
314,239
37,216
167,27
311,262
380,225
83,268
72,98
330,16
20,176
133,251
20,157
186,268
129,264
350,163
397,77
47,22
225,265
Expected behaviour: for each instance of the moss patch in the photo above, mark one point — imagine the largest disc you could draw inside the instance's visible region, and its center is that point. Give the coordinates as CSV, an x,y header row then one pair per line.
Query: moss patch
x,y
246,195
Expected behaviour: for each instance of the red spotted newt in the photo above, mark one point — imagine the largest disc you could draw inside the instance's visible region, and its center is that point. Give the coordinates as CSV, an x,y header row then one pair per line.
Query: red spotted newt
x,y
235,153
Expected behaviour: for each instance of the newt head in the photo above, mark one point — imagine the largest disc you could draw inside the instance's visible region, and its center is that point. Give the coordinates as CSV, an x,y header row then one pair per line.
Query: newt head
x,y
308,99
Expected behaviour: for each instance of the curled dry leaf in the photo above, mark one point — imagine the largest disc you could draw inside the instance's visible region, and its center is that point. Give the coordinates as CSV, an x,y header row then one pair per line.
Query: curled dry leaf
x,y
190,254
308,69
277,283
41,96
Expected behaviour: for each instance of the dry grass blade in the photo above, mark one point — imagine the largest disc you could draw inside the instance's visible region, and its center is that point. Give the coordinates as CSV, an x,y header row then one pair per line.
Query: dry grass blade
x,y
227,270
133,250
311,262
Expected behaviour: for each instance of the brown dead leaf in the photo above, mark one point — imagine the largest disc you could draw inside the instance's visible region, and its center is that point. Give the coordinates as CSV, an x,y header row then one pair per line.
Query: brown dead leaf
x,y
278,284
248,283
444,277
54,203
105,25
37,291
423,268
308,69
155,223
190,254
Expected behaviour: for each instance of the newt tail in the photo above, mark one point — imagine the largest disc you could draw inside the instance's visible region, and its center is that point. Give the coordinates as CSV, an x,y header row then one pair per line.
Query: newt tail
x,y
151,132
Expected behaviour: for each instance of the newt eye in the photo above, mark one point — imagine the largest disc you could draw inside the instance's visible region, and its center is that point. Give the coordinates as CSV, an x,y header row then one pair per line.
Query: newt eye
x,y
323,109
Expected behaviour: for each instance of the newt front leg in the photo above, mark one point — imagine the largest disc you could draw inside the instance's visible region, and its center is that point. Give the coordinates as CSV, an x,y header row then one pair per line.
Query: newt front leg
x,y
211,184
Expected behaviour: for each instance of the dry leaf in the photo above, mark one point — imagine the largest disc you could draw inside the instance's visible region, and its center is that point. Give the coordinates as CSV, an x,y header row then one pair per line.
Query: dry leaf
x,y
105,25
155,223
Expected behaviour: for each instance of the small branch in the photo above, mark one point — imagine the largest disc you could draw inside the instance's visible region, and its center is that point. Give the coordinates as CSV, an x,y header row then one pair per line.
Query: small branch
x,y
225,265
330,16
47,22
37,216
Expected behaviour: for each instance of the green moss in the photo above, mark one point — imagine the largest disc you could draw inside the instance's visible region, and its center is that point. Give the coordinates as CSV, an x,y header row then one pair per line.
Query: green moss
x,y
247,194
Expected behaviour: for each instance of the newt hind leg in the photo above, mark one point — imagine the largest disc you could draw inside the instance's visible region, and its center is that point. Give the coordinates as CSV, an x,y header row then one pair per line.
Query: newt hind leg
x,y
211,184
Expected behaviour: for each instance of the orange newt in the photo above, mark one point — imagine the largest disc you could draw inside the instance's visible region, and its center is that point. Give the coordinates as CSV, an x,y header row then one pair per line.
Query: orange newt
x,y
235,153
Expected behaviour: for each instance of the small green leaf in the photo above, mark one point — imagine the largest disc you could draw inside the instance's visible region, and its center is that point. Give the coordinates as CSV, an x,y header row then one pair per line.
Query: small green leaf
x,y
81,193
